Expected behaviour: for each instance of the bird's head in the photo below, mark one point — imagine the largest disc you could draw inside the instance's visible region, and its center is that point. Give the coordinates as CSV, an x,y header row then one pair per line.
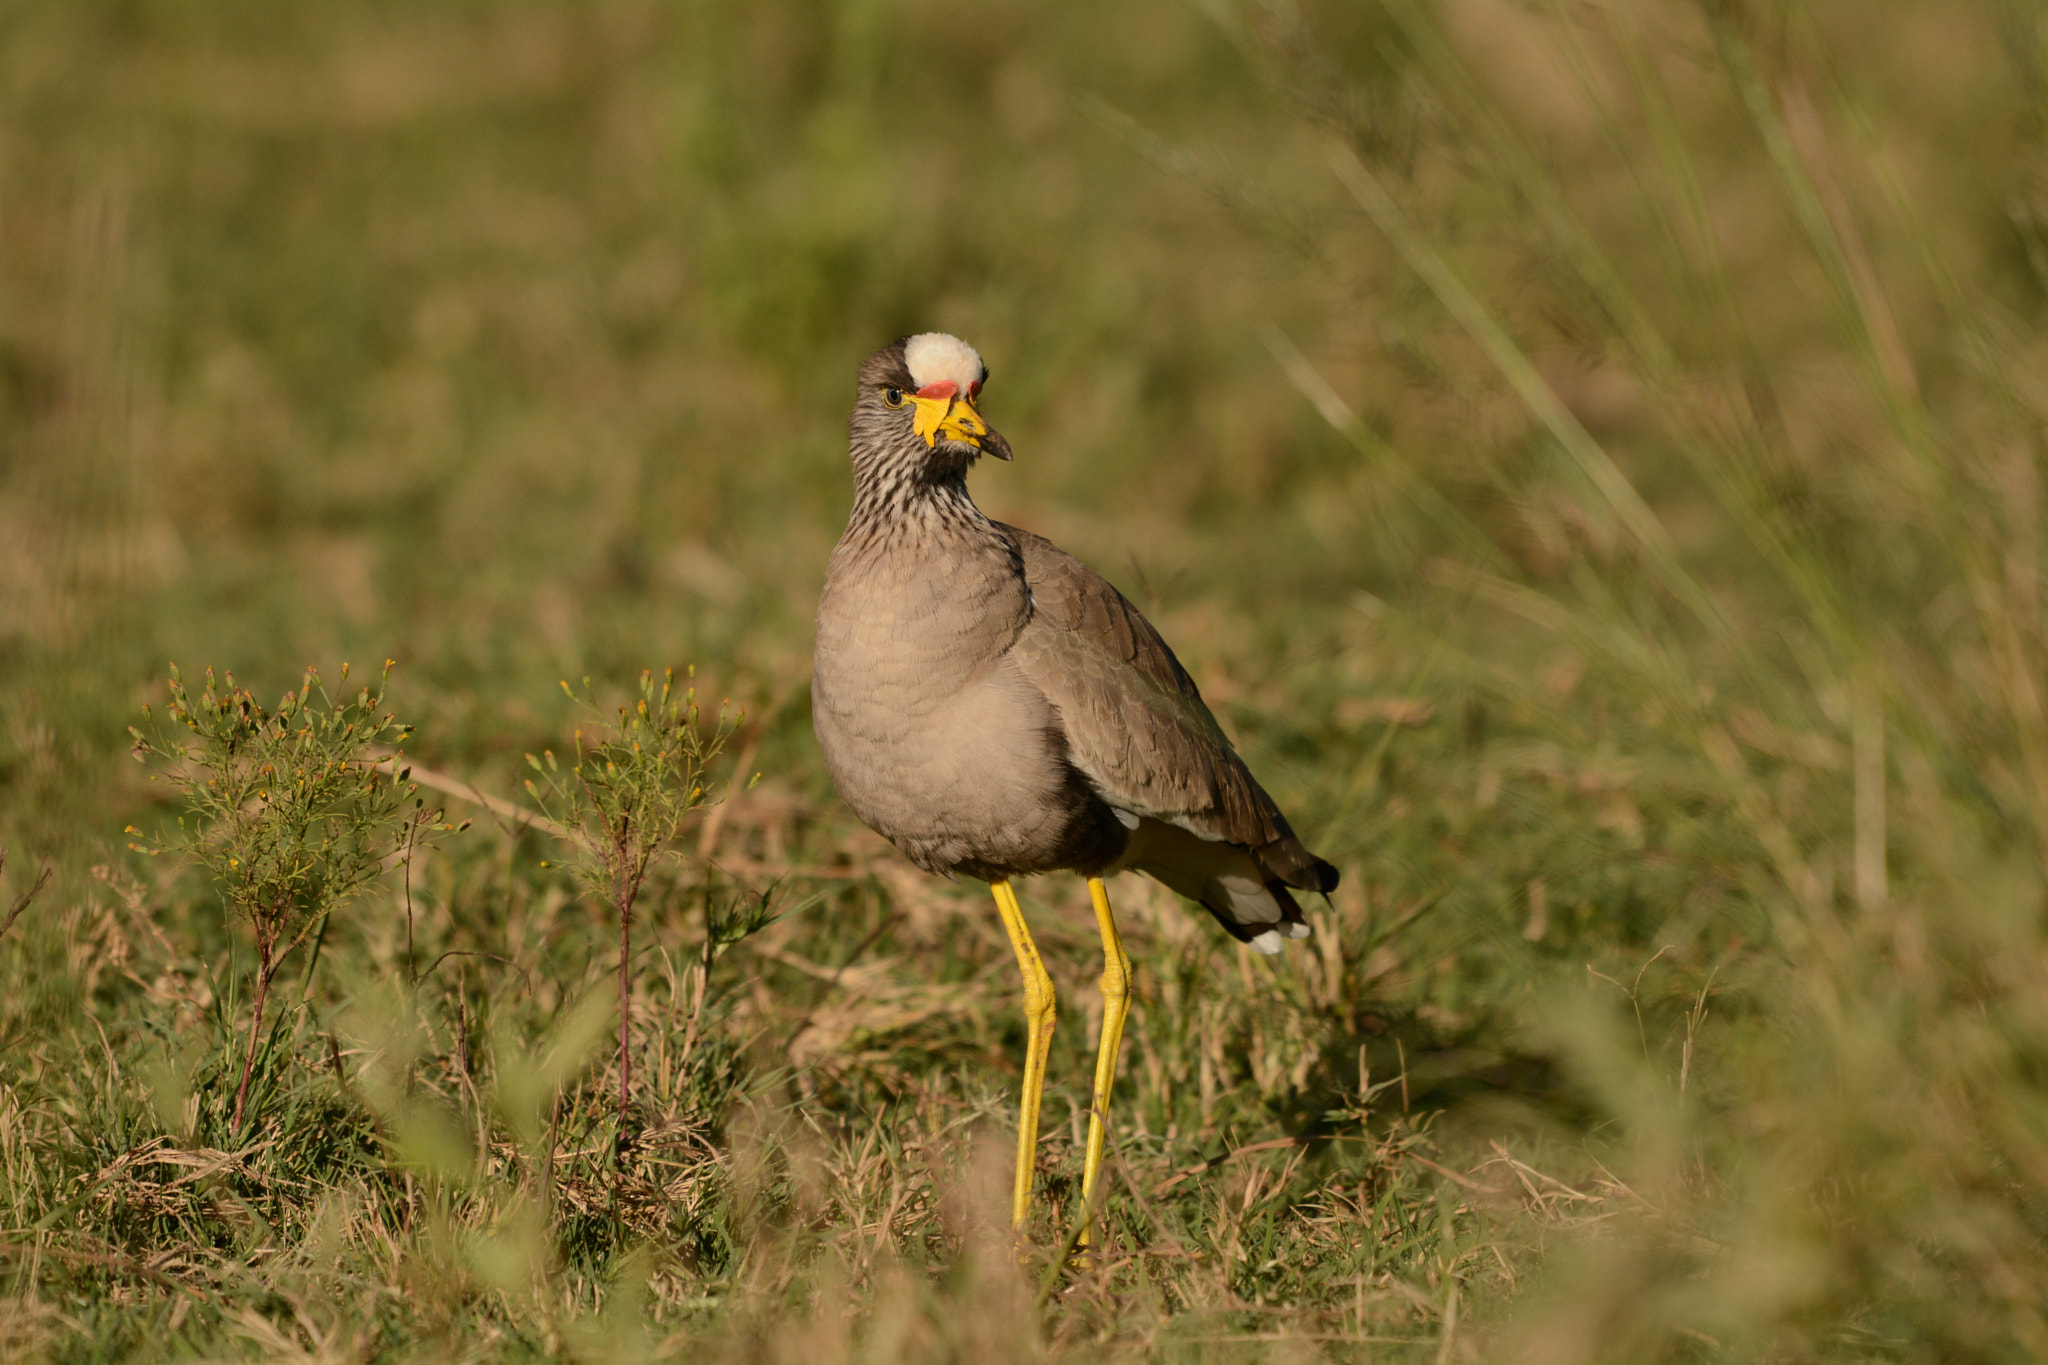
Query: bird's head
x,y
917,398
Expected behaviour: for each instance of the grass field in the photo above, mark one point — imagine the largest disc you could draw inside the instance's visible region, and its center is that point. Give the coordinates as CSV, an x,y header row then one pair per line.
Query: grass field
x,y
1590,456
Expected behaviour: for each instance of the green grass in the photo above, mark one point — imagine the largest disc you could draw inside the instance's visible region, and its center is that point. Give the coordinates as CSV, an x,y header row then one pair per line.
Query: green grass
x,y
1590,457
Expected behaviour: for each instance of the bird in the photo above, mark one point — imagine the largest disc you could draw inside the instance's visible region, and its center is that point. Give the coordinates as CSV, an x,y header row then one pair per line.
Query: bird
x,y
995,709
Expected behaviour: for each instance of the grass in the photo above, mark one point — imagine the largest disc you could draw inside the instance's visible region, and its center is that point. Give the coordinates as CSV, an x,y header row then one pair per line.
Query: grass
x,y
1590,457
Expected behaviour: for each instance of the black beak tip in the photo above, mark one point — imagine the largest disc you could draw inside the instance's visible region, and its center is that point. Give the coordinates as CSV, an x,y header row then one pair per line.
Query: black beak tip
x,y
995,445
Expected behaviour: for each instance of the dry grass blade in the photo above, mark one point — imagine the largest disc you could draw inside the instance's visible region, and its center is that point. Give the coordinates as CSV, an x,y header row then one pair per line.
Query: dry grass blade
x,y
1225,1158
22,901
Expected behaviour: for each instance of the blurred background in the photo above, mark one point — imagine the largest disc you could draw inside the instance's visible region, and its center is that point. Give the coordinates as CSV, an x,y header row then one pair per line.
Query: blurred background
x,y
515,342
1589,456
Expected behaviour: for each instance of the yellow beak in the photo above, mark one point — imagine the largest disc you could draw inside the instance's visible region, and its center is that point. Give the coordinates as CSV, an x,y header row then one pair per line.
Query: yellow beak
x,y
953,418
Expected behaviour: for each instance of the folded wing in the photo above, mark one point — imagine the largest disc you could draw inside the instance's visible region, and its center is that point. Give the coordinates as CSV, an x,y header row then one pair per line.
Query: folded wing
x,y
1136,726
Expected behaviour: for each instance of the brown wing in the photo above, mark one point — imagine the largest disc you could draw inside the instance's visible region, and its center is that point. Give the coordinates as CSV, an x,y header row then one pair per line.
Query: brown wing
x,y
1135,724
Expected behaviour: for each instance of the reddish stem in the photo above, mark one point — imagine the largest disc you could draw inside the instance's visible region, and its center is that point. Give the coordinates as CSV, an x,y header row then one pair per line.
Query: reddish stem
x,y
255,1026
623,895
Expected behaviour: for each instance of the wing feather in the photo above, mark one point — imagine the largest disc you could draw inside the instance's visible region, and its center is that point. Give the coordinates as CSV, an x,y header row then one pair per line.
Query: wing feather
x,y
1135,723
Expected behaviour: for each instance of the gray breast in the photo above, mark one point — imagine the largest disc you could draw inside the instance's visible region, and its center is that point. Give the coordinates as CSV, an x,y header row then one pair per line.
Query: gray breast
x,y
930,731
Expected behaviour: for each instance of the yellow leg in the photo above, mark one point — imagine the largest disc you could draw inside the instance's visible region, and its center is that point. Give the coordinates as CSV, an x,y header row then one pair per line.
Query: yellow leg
x,y
1116,1003
1039,1010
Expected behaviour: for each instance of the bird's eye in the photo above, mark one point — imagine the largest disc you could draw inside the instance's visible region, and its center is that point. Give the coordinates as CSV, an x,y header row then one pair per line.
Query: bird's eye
x,y
893,397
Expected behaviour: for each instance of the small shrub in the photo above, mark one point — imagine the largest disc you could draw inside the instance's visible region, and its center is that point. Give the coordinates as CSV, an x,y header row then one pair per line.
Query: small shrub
x,y
622,803
292,809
